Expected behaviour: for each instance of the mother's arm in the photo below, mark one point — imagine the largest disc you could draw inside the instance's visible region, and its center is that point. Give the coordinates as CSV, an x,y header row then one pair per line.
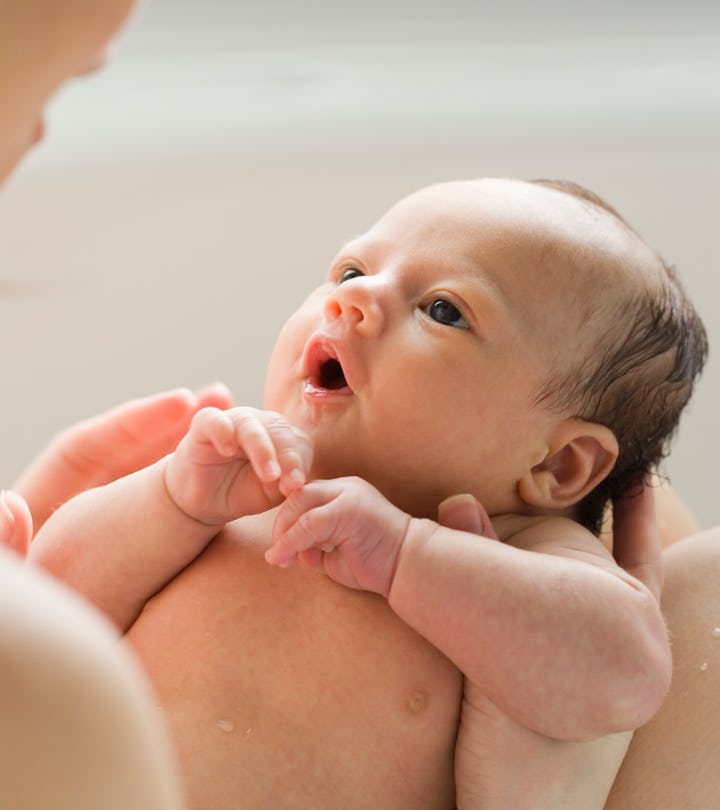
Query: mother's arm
x,y
673,760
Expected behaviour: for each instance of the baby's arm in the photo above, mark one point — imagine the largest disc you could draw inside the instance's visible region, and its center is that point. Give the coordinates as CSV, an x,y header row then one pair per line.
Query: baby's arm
x,y
545,625
120,544
111,445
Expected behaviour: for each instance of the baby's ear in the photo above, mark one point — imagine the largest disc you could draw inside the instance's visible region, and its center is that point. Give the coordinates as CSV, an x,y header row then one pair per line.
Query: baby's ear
x,y
580,454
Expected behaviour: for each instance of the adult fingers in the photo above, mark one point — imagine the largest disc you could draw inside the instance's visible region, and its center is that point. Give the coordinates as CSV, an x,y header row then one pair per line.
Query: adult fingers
x,y
15,523
466,514
111,445
636,538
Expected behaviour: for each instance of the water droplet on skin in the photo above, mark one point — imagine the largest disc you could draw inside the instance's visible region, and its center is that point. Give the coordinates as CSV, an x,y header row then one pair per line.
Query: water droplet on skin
x,y
248,730
704,666
716,632
226,725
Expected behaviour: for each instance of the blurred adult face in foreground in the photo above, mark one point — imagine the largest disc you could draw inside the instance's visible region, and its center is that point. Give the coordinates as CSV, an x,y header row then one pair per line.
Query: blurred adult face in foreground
x,y
42,44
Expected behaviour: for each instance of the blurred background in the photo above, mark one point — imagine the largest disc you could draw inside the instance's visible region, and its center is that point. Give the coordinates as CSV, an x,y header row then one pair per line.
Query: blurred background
x,y
190,194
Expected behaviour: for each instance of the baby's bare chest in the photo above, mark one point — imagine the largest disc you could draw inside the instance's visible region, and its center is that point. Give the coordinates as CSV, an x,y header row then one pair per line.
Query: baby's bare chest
x,y
284,689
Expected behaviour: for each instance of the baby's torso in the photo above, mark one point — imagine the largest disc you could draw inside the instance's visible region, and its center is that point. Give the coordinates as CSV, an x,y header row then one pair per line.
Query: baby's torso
x,y
285,690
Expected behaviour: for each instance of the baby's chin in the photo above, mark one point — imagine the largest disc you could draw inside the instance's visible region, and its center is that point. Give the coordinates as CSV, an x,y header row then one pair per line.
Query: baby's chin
x,y
325,467
407,499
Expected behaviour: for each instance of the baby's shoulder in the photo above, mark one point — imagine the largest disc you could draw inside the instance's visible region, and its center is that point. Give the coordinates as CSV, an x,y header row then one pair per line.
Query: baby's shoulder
x,y
551,535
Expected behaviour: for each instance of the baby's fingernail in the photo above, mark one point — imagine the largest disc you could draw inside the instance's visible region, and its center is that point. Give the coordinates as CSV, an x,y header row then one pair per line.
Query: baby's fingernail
x,y
296,478
272,469
275,557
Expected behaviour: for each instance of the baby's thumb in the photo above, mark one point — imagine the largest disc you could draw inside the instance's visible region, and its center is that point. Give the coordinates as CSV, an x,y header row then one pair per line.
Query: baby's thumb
x,y
15,523
465,514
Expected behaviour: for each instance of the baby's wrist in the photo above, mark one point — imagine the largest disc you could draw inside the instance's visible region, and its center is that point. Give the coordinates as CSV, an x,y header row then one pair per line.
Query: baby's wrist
x,y
175,500
418,532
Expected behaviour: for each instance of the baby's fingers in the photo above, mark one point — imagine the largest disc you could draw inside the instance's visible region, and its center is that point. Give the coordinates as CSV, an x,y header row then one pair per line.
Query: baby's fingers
x,y
212,426
292,452
256,433
217,435
277,451
307,520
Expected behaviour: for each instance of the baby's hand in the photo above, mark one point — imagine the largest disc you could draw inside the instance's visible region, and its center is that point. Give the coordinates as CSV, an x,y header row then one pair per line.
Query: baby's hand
x,y
112,445
343,527
236,462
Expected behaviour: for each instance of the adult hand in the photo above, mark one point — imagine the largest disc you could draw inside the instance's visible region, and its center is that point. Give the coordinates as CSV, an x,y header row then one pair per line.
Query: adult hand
x,y
116,443
466,514
636,538
16,526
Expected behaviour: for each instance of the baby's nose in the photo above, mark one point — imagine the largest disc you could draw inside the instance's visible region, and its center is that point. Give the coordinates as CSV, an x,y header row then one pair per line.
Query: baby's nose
x,y
357,303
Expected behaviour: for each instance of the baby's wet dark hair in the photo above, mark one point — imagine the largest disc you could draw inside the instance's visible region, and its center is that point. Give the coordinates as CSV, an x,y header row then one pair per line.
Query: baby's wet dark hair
x,y
638,380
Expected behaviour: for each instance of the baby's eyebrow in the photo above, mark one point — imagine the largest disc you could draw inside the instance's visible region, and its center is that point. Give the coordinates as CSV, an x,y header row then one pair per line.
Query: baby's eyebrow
x,y
486,294
362,249
353,240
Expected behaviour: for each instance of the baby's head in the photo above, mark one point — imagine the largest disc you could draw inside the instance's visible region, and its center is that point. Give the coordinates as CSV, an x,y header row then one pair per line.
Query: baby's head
x,y
493,337
640,372
42,44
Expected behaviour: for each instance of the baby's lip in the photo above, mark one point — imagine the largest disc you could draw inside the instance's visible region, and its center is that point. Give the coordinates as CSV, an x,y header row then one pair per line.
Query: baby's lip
x,y
324,368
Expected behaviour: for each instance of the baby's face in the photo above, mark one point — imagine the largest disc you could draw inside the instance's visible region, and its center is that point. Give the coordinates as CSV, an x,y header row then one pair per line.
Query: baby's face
x,y
416,363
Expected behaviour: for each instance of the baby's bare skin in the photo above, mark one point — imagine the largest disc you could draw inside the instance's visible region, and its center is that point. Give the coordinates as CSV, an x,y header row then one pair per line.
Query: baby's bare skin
x,y
281,683
329,684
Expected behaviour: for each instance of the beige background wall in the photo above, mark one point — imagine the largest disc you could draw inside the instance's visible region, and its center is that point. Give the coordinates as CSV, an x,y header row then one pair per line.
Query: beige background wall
x,y
188,196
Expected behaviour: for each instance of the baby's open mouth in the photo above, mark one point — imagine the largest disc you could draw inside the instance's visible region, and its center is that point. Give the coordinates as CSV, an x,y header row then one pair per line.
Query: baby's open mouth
x,y
331,375
325,371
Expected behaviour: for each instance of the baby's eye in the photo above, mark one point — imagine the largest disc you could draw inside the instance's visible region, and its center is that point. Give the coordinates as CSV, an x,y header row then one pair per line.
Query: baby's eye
x,y
444,312
348,273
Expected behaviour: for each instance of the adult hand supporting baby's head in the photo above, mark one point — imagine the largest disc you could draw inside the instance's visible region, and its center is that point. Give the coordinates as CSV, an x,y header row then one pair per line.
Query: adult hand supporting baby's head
x,y
465,514
636,538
